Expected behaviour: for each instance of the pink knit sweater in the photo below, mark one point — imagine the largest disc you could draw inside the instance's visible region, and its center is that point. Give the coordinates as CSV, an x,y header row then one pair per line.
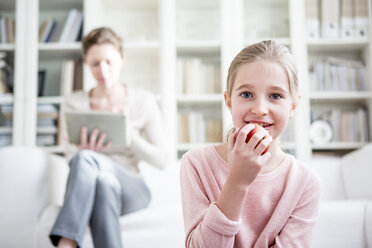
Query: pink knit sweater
x,y
280,209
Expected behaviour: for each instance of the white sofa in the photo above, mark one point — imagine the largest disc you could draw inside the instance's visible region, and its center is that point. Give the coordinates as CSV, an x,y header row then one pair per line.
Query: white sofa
x,y
345,214
32,185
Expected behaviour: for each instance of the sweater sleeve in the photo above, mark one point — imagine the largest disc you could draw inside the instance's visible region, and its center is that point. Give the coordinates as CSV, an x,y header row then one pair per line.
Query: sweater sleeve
x,y
205,225
299,229
150,145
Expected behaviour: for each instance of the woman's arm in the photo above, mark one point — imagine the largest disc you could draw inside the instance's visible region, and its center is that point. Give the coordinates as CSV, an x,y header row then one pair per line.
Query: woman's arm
x,y
151,149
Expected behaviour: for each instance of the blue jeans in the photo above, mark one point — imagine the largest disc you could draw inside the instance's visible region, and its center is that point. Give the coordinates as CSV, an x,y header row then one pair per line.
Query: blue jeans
x,y
98,191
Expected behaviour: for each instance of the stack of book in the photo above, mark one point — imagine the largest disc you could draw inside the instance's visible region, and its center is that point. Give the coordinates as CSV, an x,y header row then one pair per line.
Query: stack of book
x,y
6,75
195,76
7,30
195,127
69,31
47,125
6,122
337,18
71,76
335,74
348,125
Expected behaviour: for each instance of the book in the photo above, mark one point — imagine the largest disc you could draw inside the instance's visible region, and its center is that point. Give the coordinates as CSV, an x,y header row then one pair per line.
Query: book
x,y
330,14
74,18
67,77
3,35
312,18
361,18
347,19
41,82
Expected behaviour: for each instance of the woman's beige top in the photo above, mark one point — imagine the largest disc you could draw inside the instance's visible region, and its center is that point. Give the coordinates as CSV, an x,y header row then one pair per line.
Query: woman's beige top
x,y
147,134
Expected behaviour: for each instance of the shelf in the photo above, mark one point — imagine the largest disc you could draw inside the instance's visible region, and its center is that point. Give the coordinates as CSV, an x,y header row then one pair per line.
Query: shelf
x,y
7,47
328,45
60,50
284,41
142,48
339,146
201,46
207,98
50,99
6,99
60,5
130,3
46,130
6,130
340,96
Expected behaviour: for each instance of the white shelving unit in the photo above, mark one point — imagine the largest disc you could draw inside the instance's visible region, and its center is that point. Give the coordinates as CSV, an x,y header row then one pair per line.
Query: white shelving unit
x,y
325,102
8,10
157,35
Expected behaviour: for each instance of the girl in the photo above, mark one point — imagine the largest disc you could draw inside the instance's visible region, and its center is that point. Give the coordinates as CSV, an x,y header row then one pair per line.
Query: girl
x,y
236,195
104,182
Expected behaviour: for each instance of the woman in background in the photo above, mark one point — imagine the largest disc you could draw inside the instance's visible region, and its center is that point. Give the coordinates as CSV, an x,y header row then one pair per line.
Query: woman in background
x,y
104,183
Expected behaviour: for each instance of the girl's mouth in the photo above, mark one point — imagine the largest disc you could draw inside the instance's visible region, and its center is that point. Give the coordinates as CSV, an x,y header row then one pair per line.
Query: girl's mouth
x,y
262,124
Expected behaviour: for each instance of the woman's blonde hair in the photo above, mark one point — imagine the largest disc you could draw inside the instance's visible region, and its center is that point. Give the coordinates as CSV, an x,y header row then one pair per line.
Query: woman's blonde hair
x,y
266,50
102,35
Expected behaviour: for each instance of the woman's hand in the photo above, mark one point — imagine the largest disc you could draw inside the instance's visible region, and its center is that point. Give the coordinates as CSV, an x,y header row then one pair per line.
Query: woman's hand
x,y
93,143
246,159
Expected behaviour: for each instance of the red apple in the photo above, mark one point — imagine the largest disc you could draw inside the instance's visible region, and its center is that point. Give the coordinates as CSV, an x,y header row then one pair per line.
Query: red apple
x,y
252,132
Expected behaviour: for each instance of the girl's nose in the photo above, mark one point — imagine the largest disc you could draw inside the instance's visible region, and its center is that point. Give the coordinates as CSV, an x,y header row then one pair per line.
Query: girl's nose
x,y
260,107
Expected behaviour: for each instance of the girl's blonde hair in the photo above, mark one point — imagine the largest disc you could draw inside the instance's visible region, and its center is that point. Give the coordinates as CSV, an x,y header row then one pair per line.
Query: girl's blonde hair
x,y
266,50
102,35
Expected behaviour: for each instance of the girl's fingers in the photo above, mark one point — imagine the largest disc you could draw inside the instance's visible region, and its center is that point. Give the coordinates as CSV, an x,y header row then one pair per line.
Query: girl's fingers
x,y
244,131
263,144
232,138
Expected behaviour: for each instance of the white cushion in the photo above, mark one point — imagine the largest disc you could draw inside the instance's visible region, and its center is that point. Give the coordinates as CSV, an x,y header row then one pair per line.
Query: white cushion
x,y
329,170
340,224
357,173
368,223
23,194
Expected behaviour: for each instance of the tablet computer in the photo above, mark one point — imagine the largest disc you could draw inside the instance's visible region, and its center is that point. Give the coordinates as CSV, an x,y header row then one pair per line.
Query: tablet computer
x,y
114,125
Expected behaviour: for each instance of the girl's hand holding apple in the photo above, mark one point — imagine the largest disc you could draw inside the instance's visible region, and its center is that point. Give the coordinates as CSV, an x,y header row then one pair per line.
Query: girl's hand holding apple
x,y
247,153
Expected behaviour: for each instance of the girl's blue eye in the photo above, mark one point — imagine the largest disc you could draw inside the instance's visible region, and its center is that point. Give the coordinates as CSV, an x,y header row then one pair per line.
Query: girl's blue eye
x,y
246,94
276,96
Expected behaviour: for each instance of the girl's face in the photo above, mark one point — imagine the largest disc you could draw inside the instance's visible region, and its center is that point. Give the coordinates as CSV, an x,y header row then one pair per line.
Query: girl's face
x,y
105,62
260,94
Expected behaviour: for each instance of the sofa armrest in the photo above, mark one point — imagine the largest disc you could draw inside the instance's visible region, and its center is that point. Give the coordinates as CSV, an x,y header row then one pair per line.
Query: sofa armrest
x,y
368,223
340,224
329,170
357,172
58,170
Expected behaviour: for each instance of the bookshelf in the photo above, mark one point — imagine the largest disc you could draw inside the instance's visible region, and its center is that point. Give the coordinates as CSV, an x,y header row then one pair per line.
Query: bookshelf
x,y
34,110
340,75
163,36
198,84
58,48
7,83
